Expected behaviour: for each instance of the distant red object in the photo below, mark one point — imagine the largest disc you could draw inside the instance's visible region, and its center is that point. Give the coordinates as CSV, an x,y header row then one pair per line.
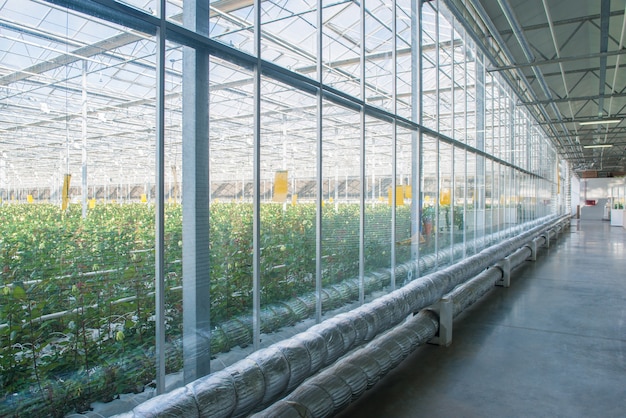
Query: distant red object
x,y
590,202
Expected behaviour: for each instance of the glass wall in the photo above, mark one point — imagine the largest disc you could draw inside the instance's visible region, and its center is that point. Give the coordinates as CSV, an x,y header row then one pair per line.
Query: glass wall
x,y
171,203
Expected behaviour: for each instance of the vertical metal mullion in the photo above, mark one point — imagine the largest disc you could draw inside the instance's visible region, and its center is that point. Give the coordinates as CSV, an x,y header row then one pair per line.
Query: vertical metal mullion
x,y
84,138
416,137
437,128
256,212
394,144
492,146
318,211
465,118
196,288
453,156
362,162
159,245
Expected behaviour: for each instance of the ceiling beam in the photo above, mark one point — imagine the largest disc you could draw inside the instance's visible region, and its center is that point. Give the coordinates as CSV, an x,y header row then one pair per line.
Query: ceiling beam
x,y
562,22
573,99
604,45
538,63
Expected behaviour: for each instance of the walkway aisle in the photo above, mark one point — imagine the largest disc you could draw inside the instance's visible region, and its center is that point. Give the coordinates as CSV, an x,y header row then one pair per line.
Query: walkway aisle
x,y
551,345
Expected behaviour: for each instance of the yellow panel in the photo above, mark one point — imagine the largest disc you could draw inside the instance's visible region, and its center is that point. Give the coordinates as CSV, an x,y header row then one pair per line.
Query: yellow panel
x,y
144,198
444,197
408,191
66,191
29,198
281,186
399,196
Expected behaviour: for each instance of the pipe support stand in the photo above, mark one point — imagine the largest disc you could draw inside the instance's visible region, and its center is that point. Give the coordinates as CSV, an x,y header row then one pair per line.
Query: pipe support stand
x,y
505,266
532,245
444,309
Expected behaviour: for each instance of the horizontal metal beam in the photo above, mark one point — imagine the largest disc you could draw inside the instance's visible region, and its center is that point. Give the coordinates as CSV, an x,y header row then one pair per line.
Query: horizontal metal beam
x,y
571,21
574,99
538,63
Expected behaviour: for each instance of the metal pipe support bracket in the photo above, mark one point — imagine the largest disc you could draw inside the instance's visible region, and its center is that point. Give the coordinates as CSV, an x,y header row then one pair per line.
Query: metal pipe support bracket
x,y
505,266
532,245
444,310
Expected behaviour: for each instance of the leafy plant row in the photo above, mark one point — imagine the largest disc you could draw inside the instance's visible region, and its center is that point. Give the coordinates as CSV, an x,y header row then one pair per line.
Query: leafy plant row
x,y
77,295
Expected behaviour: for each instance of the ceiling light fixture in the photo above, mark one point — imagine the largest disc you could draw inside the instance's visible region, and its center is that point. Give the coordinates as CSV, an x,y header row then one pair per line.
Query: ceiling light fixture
x,y
599,122
598,146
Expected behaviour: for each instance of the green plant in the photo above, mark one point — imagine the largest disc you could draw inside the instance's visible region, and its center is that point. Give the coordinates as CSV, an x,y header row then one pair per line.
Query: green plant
x,y
77,295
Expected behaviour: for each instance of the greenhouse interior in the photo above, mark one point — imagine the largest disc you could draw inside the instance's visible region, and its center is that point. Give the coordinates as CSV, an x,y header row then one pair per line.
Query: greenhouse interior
x,y
293,161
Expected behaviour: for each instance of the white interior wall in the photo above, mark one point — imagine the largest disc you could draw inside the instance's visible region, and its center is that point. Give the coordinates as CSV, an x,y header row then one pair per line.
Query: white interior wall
x,y
600,190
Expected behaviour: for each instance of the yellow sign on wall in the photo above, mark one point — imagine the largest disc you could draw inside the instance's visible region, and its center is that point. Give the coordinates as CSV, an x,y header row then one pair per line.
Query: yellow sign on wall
x,y
444,197
399,196
29,198
281,186
66,191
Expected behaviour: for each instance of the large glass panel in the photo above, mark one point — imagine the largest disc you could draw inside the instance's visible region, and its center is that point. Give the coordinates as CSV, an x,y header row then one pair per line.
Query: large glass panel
x,y
470,89
341,185
232,22
429,71
471,214
230,216
445,227
287,233
460,204
77,229
341,55
407,227
378,207
489,197
445,49
491,109
460,56
289,34
496,200
429,199
173,274
406,66
378,58
480,203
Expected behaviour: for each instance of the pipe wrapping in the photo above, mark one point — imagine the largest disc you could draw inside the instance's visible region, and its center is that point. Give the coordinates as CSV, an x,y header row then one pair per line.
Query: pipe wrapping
x,y
469,292
316,346
346,329
249,385
315,400
215,395
337,388
311,401
519,257
275,316
275,369
306,353
299,360
334,345
177,403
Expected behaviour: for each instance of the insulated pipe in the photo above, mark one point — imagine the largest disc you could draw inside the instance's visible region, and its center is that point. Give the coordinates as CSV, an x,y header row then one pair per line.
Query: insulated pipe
x,y
332,390
468,293
328,393
257,380
238,331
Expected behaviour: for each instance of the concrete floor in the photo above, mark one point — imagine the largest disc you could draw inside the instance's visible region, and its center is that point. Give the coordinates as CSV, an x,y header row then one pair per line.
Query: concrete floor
x,y
551,345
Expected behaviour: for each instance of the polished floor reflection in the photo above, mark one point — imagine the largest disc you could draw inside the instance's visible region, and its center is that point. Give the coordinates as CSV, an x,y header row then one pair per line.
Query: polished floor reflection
x,y
551,345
